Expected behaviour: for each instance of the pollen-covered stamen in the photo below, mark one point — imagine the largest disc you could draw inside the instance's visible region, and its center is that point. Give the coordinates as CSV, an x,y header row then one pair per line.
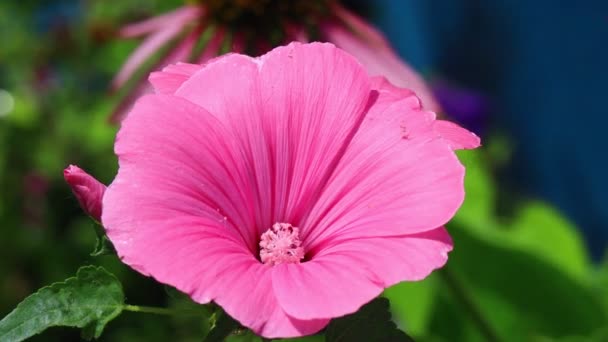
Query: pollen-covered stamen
x,y
281,244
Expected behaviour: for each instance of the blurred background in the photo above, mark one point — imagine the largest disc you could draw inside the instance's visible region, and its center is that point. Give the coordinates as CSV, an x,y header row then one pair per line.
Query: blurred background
x,y
529,77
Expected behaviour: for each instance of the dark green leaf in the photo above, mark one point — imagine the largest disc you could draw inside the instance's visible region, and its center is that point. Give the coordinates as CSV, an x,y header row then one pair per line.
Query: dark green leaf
x,y
311,338
371,323
103,246
90,300
223,326
246,336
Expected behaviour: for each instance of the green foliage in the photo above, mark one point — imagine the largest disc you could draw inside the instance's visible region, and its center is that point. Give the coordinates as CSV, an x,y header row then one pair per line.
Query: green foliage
x,y
412,303
534,228
312,338
525,270
518,291
89,301
371,323
222,326
103,246
528,274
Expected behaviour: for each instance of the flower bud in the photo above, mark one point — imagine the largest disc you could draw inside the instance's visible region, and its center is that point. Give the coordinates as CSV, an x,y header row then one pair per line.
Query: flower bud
x,y
88,190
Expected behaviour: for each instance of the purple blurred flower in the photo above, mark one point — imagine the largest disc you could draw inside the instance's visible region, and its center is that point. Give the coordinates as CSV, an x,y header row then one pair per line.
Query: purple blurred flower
x,y
466,106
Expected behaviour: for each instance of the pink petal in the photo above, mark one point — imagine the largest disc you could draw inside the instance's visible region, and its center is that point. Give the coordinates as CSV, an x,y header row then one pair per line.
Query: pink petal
x,y
343,277
88,190
247,295
200,259
396,177
378,58
147,48
458,137
172,77
391,91
178,210
175,159
324,287
182,14
394,259
293,126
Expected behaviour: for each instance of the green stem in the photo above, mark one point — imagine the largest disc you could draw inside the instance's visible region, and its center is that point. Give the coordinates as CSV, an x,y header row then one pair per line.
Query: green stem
x,y
467,302
159,311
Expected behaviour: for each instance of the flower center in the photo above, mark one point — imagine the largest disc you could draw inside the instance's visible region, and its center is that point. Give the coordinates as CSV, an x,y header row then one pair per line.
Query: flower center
x,y
264,15
281,244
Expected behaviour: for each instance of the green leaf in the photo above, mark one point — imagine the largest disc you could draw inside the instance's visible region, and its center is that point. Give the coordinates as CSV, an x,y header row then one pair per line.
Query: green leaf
x,y
480,203
541,230
103,246
223,326
245,335
600,335
412,304
311,338
371,323
538,229
90,300
534,228
600,283
518,292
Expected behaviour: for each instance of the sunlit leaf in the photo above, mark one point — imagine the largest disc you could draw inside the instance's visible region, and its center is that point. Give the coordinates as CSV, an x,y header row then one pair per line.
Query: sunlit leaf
x,y
542,231
519,293
412,304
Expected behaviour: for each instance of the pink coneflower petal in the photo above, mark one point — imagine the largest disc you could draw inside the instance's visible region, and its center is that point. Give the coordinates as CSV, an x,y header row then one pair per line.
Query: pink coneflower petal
x,y
290,151
150,25
141,88
368,266
180,53
213,46
372,50
149,46
361,27
170,26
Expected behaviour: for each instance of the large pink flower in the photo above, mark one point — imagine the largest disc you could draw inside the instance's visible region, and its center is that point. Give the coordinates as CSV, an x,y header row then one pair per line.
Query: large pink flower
x,y
290,188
